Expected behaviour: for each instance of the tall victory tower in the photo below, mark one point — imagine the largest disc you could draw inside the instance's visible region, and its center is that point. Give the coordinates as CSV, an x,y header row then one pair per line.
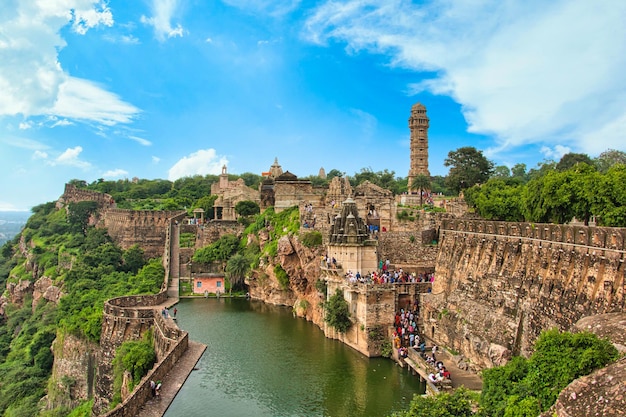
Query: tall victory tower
x,y
418,123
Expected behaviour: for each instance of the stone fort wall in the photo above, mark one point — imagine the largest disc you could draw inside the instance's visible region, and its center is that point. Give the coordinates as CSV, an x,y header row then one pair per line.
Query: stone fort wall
x,y
146,228
73,194
128,318
498,285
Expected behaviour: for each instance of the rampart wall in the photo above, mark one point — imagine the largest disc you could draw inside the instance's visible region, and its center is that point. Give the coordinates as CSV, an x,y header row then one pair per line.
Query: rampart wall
x,y
128,318
498,285
170,344
73,194
213,230
146,228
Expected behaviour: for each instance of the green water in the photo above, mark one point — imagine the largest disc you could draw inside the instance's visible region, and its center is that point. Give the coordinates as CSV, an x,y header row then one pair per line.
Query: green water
x,y
262,361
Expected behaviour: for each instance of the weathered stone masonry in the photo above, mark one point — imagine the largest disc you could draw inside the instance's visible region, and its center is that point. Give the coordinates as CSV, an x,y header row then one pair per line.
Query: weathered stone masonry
x,y
499,284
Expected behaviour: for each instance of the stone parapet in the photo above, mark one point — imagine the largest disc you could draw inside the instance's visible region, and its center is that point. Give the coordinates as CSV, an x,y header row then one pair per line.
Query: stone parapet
x,y
132,405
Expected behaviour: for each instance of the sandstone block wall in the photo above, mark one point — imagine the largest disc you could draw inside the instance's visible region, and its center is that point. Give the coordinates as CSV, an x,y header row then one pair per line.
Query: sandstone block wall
x,y
146,228
497,284
171,344
213,230
72,194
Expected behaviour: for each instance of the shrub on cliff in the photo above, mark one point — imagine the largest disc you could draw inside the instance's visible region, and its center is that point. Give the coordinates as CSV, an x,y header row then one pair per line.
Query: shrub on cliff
x,y
135,356
311,239
559,358
337,312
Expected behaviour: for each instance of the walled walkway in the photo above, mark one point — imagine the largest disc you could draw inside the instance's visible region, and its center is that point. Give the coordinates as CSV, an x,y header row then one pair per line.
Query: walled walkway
x,y
173,381
460,377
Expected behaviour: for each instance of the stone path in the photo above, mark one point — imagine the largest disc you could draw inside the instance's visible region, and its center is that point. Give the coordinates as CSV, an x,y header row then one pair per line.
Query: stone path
x,y
460,377
173,381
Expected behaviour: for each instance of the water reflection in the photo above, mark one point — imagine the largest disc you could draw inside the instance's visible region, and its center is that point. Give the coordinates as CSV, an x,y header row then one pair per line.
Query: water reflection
x,y
261,361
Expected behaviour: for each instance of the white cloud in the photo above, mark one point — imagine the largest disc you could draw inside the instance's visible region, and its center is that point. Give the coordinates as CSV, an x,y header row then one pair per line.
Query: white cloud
x,y
162,11
524,71
85,19
156,159
71,158
115,173
202,162
141,141
83,99
62,122
40,155
32,81
26,125
555,153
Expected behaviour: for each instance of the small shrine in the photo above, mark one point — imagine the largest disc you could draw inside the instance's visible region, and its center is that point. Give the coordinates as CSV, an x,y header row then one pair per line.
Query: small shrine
x,y
350,242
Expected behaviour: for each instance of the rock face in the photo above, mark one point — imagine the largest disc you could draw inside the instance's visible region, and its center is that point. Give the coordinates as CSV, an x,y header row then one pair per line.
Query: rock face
x,y
44,288
302,265
73,372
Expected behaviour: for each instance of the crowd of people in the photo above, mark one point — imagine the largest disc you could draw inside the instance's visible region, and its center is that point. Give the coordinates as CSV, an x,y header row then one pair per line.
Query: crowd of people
x,y
389,277
406,336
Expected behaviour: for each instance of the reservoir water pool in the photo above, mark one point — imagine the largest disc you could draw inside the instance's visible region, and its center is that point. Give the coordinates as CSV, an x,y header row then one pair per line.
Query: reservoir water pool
x,y
262,361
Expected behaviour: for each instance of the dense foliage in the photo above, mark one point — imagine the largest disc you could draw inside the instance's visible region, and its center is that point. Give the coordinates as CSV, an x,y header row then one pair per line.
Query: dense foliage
x,y
136,357
456,404
524,387
220,250
559,358
89,268
580,192
337,312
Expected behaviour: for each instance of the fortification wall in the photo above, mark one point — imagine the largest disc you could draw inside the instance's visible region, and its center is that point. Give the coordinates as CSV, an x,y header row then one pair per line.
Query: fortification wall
x,y
170,344
213,230
126,318
146,228
73,194
497,284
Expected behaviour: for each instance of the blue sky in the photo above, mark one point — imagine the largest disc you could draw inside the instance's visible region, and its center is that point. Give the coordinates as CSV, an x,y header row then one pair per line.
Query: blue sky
x,y
171,88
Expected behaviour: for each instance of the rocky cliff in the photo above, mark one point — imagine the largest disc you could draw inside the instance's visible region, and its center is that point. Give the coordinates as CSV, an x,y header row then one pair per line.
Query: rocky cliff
x,y
302,265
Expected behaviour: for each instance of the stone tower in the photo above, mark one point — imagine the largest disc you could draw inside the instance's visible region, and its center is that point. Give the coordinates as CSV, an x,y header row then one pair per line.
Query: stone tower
x,y
418,123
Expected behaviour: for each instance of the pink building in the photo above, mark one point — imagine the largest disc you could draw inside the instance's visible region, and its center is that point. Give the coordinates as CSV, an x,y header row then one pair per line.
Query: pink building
x,y
208,283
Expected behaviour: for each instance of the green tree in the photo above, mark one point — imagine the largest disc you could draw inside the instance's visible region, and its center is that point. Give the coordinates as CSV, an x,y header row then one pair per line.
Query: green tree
x,y
468,167
420,183
609,158
251,180
610,197
333,173
522,386
569,160
236,269
206,204
337,312
497,199
459,403
247,208
501,171
79,214
133,259
220,250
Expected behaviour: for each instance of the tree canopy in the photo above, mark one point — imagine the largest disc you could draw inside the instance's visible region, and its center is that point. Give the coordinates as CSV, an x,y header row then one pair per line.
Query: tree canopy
x,y
468,167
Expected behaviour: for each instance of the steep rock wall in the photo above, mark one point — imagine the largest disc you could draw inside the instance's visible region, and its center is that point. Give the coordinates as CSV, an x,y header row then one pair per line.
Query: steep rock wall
x,y
302,265
499,284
